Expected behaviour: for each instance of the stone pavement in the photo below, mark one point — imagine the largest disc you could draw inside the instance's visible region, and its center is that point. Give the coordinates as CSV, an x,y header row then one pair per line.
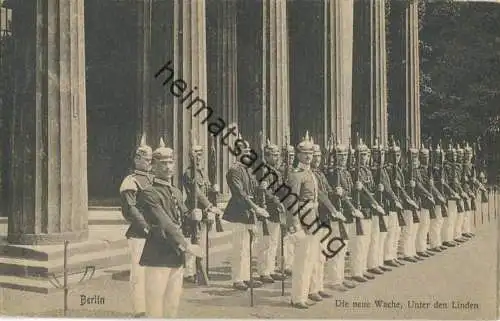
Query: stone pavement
x,y
464,274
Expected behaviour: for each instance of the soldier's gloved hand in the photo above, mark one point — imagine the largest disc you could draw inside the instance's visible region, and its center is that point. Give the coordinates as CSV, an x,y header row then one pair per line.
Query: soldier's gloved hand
x,y
338,215
456,196
281,208
194,249
464,195
216,211
413,183
215,188
413,204
380,187
196,215
442,200
431,199
261,212
210,216
397,183
398,205
379,209
358,213
358,185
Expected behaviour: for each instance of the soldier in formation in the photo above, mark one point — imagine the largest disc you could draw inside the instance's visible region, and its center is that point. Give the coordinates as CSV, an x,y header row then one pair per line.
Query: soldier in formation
x,y
427,205
140,179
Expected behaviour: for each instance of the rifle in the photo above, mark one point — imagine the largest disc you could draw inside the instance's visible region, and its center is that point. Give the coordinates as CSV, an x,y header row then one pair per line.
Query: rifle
x,y
399,212
213,193
359,226
432,210
442,177
283,217
412,188
252,220
262,190
381,223
201,272
342,229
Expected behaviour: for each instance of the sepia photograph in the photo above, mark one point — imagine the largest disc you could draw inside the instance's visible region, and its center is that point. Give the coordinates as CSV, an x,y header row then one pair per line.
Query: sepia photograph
x,y
272,159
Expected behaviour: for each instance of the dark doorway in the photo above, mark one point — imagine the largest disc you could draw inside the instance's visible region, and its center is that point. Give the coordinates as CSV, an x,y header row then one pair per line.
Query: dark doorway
x,y
112,122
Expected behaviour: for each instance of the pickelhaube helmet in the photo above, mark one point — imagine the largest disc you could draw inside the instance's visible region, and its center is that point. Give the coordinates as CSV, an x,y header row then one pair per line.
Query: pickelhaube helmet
x,y
305,146
393,147
195,147
271,149
340,148
438,153
143,150
413,153
362,148
377,148
468,151
163,152
424,152
316,148
460,153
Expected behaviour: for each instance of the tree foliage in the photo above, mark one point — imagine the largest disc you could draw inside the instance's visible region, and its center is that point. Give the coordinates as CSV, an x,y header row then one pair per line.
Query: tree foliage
x,y
460,72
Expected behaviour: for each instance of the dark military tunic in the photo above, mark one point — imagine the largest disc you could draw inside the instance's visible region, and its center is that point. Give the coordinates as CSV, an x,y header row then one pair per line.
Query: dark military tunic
x,y
396,175
132,185
367,199
388,196
243,186
453,172
302,183
340,177
274,179
422,195
441,182
325,191
202,185
424,175
164,210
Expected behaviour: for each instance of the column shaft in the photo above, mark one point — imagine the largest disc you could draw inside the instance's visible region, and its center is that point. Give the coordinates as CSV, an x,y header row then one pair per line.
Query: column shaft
x,y
48,202
370,92
338,60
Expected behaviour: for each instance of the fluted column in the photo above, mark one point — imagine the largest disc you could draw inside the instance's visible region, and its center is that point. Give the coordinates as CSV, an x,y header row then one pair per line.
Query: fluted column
x,y
405,87
144,74
370,86
275,105
338,69
48,192
226,81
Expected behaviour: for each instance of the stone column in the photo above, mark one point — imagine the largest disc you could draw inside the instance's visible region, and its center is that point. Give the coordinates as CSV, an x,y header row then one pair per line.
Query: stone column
x,y
370,72
405,87
275,105
190,65
226,81
144,74
338,69
48,192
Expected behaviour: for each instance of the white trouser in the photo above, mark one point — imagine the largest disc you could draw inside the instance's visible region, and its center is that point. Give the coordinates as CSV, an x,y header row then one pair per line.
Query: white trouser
x,y
318,260
484,212
449,222
289,247
337,263
268,249
391,240
190,259
377,239
163,291
359,248
306,254
435,228
459,222
423,230
409,234
468,220
240,258
137,275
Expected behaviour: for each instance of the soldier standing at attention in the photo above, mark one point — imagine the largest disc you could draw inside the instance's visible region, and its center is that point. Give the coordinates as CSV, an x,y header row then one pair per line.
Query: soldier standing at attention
x,y
301,215
431,199
471,186
399,186
330,217
463,187
165,248
340,178
289,247
453,201
269,243
442,211
203,186
241,211
389,201
133,184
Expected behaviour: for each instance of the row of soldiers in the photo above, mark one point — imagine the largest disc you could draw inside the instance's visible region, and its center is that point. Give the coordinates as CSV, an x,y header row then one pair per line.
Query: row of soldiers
x,y
353,196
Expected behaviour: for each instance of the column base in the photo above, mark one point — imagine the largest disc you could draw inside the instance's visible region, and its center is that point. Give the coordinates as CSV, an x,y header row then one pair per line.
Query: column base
x,y
47,239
